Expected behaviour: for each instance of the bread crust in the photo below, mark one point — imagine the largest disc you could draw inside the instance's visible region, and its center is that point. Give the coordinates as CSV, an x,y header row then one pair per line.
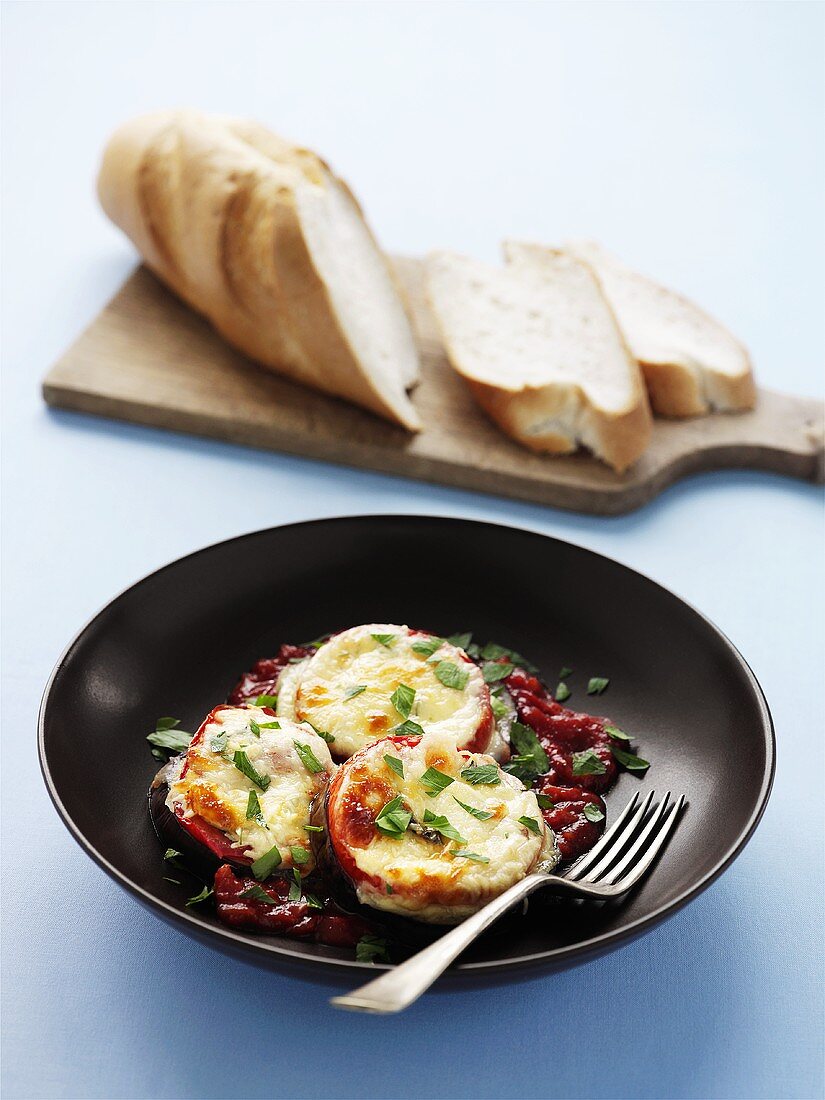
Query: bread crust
x,y
557,418
211,203
678,385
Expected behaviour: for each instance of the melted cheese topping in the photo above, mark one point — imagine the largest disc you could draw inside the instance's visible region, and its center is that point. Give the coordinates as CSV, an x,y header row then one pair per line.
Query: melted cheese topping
x,y
211,786
346,689
423,873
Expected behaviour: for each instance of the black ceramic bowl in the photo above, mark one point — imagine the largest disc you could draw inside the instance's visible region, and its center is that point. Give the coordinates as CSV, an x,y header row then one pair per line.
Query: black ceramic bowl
x,y
176,642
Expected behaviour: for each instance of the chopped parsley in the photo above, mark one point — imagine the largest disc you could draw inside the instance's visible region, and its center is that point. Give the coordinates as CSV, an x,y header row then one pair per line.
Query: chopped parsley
x,y
295,885
313,902
531,824
562,692
616,733
266,701
442,825
565,672
218,742
629,761
482,775
394,763
545,802
167,736
257,893
308,758
254,727
353,691
393,818
474,856
269,725
402,699
253,809
451,675
530,759
205,893
313,828
245,765
385,640
433,781
460,641
592,812
426,647
264,866
494,671
299,855
482,815
372,949
596,685
588,763
499,708
408,729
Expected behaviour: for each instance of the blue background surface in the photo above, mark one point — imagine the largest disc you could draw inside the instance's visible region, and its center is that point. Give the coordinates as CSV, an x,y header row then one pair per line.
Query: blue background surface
x,y
686,136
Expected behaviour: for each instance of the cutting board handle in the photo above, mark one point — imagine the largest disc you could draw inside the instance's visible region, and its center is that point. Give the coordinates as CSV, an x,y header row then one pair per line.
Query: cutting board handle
x,y
784,434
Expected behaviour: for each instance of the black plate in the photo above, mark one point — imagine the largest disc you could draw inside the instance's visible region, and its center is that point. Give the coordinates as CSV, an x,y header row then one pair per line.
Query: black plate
x,y
176,642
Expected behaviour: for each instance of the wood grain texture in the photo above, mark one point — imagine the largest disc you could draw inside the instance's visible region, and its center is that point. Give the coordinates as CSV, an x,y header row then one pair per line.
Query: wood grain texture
x,y
149,359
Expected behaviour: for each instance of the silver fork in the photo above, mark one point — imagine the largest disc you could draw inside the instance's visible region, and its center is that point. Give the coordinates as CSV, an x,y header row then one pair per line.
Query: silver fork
x,y
611,868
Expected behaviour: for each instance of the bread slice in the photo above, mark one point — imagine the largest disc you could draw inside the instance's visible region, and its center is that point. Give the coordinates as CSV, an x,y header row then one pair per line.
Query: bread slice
x,y
263,239
542,353
691,363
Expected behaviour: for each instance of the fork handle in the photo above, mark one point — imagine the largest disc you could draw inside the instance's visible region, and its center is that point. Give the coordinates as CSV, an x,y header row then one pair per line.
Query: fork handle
x,y
398,988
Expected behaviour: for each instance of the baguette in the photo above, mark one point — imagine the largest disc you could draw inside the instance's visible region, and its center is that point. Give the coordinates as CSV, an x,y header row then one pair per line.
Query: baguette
x,y
691,363
542,353
265,241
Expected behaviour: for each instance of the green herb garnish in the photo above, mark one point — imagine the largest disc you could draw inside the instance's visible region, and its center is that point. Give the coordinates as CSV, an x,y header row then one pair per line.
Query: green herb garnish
x,y
531,824
596,685
402,699
460,641
427,647
393,818
474,856
499,708
245,765
372,949
442,825
482,775
545,802
266,701
299,855
295,885
167,736
588,763
313,902
385,640
254,727
451,675
408,729
353,691
253,809
562,692
565,672
616,733
394,763
433,781
530,759
205,893
494,671
313,828
482,815
218,742
264,866
592,812
629,761
257,893
308,758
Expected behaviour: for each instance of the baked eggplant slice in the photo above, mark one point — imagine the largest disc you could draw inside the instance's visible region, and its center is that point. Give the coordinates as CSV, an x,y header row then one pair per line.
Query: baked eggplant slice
x,y
244,791
382,678
422,829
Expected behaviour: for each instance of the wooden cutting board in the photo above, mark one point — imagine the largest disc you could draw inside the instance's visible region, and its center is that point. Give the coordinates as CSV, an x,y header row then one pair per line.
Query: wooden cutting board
x,y
149,359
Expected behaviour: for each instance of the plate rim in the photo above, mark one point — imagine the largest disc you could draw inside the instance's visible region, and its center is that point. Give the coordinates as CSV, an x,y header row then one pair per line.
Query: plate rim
x,y
268,952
